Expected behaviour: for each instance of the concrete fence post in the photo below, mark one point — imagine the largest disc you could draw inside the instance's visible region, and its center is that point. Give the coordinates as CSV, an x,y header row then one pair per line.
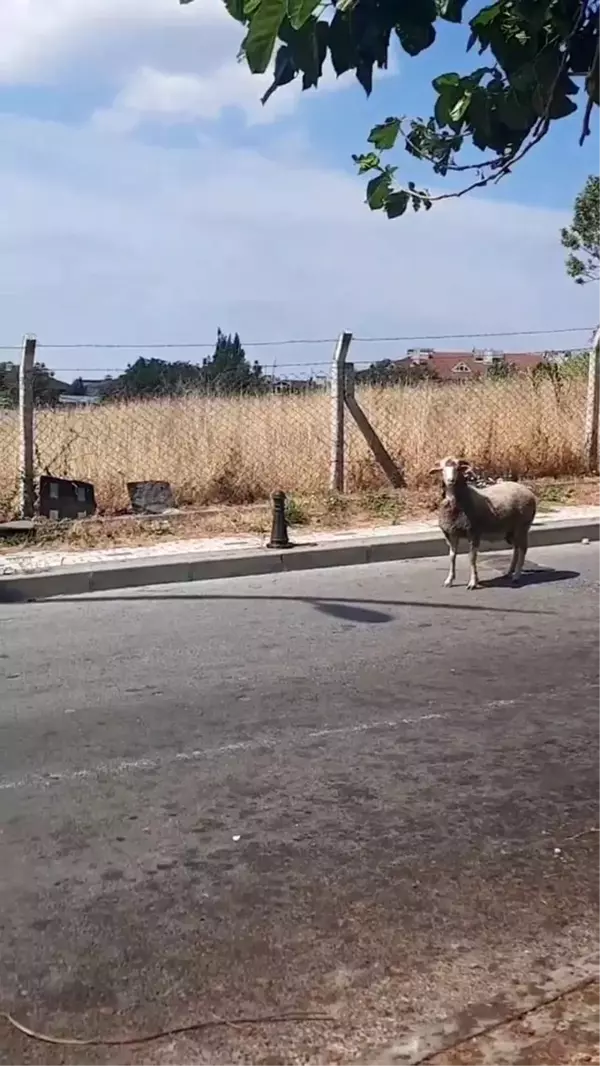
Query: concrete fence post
x,y
336,469
592,410
26,468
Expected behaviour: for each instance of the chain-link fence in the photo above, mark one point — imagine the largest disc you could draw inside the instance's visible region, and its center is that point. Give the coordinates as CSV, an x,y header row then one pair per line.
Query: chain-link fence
x,y
526,425
218,445
9,462
211,448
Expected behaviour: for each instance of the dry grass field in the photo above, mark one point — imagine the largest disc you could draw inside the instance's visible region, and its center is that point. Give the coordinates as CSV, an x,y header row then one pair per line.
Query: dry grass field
x,y
237,450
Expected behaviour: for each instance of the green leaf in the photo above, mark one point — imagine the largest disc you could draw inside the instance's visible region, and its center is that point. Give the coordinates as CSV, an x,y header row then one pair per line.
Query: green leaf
x,y
472,80
311,51
513,112
364,73
415,37
285,71
582,52
384,136
234,7
561,106
396,203
450,10
378,191
479,117
308,48
459,110
342,46
370,161
250,6
486,16
260,40
446,81
299,11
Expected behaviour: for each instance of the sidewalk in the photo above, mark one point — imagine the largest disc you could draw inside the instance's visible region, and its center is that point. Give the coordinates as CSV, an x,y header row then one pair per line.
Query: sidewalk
x,y
26,576
17,562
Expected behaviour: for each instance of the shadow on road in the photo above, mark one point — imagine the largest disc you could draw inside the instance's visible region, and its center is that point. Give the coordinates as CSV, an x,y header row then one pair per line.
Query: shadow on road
x,y
538,576
351,612
12,596
350,609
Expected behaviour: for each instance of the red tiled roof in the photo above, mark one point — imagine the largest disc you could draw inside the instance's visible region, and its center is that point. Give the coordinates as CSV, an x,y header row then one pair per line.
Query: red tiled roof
x,y
461,366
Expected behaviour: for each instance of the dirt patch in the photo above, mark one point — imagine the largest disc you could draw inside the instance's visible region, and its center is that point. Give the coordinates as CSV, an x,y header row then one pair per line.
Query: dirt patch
x,y
309,513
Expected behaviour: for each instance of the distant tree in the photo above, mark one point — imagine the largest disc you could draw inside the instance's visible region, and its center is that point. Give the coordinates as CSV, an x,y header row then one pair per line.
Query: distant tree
x,y
551,372
228,369
575,364
149,378
389,372
46,389
501,370
77,388
582,238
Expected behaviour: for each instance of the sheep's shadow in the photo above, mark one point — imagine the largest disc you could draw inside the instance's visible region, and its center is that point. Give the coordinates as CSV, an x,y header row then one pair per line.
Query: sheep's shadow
x,y
537,576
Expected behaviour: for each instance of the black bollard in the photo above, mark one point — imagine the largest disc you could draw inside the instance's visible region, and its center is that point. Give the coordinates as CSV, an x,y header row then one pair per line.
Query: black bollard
x,y
279,530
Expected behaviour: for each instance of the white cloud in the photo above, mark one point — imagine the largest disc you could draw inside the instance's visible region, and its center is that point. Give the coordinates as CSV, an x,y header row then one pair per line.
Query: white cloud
x,y
40,39
173,97
156,59
109,240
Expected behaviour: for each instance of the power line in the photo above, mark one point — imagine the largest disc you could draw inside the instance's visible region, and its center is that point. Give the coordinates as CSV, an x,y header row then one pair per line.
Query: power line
x,y
166,345
473,336
307,367
118,369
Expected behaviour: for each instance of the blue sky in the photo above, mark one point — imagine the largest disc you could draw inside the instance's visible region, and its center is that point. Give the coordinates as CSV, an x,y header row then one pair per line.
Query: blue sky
x,y
147,197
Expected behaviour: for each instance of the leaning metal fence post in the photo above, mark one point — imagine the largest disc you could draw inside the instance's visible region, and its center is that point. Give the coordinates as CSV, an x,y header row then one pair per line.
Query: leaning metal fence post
x,y
336,470
26,470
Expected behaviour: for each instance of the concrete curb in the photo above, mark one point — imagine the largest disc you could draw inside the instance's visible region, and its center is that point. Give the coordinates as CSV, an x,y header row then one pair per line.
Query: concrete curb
x,y
104,577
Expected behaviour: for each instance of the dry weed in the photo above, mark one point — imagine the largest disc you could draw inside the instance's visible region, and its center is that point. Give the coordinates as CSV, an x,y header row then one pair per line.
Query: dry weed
x,y
237,450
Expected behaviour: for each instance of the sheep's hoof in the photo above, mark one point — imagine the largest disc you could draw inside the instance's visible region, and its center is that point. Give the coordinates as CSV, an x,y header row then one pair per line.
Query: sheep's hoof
x,y
448,583
515,578
473,584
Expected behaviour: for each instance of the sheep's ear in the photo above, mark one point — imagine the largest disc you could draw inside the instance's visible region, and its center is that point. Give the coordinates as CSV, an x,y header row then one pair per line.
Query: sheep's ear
x,y
435,469
464,464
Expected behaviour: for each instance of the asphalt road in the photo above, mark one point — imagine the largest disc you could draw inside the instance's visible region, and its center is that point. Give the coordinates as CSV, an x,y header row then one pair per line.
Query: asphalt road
x,y
351,790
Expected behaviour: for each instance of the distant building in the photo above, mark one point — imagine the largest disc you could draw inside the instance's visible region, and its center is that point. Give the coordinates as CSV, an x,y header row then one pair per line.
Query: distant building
x,y
464,366
91,394
77,401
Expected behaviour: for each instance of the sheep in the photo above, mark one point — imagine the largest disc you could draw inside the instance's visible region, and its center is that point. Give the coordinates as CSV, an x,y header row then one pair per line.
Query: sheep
x,y
501,511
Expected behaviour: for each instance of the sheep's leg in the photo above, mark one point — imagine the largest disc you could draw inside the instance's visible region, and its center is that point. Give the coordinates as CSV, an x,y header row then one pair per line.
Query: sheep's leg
x,y
513,561
521,553
473,582
453,548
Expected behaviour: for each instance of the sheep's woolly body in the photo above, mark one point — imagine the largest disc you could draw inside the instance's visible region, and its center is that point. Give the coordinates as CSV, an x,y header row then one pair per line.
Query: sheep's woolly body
x,y
503,511
494,513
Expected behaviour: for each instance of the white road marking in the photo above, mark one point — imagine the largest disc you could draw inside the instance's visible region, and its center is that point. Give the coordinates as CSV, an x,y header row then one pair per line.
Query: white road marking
x,y
118,767
387,724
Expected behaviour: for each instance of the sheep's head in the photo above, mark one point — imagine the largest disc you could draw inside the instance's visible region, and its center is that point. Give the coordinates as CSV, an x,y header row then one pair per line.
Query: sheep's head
x,y
453,471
